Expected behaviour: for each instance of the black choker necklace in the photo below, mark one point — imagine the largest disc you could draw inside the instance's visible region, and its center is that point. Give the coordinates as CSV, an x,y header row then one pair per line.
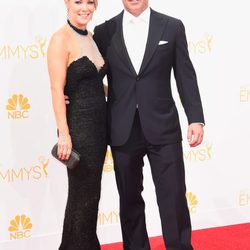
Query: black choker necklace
x,y
79,31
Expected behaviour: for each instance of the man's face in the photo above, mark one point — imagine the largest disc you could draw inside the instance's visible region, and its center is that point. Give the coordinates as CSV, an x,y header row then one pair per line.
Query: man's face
x,y
135,7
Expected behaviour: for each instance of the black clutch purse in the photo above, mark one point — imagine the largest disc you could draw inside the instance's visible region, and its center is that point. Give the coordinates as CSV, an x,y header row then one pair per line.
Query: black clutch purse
x,y
73,160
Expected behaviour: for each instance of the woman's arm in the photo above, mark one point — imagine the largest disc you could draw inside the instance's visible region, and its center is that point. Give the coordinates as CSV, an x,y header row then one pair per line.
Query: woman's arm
x,y
57,67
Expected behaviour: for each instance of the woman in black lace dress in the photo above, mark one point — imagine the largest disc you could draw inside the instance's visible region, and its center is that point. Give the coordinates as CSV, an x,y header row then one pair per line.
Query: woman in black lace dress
x,y
76,69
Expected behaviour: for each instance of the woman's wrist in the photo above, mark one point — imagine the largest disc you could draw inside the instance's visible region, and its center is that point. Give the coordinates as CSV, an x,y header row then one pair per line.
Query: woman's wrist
x,y
64,138
63,131
63,134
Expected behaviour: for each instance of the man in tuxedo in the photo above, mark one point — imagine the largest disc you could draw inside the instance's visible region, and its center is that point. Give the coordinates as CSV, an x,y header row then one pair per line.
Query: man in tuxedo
x,y
141,47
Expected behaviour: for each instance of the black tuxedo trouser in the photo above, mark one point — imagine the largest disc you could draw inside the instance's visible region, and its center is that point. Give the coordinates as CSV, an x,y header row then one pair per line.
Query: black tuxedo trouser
x,y
167,169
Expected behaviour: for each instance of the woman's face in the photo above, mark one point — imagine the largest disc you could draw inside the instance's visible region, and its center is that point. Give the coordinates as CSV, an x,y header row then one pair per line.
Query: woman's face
x,y
80,12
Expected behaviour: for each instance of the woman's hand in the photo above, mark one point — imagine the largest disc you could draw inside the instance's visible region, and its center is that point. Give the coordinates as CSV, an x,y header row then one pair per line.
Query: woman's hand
x,y
64,146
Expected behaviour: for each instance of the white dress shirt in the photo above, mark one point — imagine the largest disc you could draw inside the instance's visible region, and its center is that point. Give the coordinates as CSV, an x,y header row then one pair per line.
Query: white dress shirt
x,y
135,33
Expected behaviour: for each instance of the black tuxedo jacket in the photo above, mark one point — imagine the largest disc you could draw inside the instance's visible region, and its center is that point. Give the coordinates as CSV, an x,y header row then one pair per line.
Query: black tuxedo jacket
x,y
150,88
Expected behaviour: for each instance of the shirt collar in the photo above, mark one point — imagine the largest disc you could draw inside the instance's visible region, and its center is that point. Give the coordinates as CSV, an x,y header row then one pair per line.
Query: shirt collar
x,y
128,17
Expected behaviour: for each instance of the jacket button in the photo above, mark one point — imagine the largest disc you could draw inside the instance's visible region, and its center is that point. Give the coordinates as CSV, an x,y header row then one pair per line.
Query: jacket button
x,y
138,78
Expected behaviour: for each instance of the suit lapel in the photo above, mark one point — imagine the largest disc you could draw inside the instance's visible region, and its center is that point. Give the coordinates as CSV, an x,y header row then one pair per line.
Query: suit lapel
x,y
156,28
119,44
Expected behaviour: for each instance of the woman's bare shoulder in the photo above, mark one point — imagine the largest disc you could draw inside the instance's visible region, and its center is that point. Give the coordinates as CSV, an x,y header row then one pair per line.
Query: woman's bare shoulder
x,y
60,36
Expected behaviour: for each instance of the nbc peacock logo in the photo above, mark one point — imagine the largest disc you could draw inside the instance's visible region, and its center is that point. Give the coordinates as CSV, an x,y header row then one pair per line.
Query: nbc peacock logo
x,y
20,227
192,202
108,163
18,107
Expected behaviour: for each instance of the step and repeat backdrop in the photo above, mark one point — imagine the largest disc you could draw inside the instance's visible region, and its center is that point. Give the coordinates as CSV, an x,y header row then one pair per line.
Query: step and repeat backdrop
x,y
33,186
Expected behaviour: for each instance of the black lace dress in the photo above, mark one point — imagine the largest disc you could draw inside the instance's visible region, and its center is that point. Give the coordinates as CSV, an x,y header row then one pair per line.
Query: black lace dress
x,y
86,117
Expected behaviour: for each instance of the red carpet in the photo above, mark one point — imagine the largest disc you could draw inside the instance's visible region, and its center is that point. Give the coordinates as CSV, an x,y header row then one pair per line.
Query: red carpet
x,y
236,237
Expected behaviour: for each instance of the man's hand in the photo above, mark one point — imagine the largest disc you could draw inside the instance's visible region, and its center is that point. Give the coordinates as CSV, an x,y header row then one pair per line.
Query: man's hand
x,y
66,98
195,134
